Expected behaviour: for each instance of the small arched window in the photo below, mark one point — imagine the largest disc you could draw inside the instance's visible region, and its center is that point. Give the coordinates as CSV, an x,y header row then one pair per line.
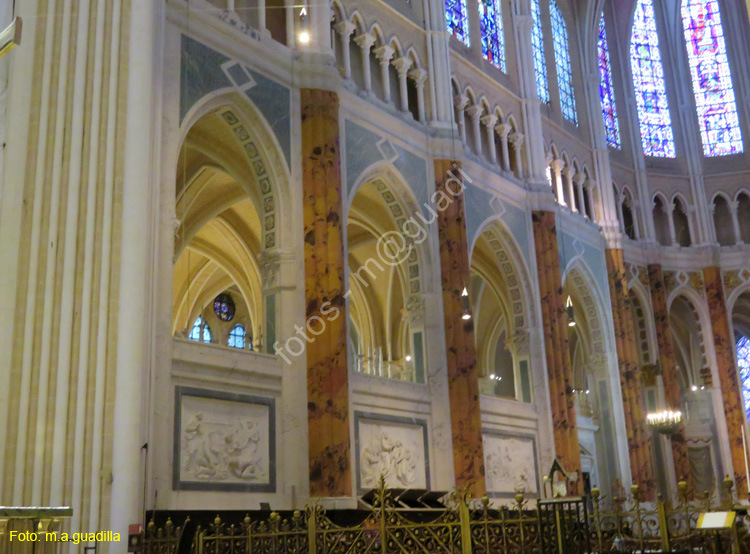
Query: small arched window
x,y
237,336
661,223
537,43
562,63
491,30
723,222
681,224
201,331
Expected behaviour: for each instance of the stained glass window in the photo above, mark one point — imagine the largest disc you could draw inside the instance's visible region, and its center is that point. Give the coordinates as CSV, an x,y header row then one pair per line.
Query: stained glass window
x,y
224,307
562,64
201,332
743,364
712,80
456,20
537,42
237,336
607,90
491,29
648,83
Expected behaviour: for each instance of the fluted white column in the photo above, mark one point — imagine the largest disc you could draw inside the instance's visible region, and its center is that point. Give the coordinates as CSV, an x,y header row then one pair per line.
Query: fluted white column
x,y
503,130
460,103
557,167
568,174
475,113
578,180
137,188
733,206
516,139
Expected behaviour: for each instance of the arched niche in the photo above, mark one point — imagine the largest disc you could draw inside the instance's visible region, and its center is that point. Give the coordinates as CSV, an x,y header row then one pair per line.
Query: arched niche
x,y
387,257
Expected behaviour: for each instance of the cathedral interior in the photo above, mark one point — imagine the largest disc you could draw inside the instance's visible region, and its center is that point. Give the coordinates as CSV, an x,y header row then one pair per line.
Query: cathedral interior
x,y
265,253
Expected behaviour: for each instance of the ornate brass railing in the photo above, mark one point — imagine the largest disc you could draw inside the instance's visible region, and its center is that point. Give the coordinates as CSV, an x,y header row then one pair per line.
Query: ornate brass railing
x,y
467,526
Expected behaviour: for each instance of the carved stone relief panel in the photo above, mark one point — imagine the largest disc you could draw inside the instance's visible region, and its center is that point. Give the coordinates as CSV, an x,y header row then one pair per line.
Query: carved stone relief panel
x,y
224,441
394,447
510,464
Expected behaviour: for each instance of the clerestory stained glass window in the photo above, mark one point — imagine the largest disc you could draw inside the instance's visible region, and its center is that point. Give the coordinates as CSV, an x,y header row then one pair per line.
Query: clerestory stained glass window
x,y
562,64
648,82
201,332
537,43
743,364
456,20
712,79
491,29
607,90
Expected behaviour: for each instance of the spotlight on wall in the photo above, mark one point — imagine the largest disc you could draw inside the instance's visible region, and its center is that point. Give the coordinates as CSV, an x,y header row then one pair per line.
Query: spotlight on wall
x,y
571,315
465,312
304,32
408,358
694,388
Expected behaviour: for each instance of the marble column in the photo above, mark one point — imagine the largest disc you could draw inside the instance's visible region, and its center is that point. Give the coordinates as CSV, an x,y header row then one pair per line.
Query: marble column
x,y
668,368
419,75
327,377
555,328
463,380
725,359
639,436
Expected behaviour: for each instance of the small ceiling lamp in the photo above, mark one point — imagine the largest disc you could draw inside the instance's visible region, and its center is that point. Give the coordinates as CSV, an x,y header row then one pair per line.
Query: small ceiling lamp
x,y
465,312
408,357
569,310
304,31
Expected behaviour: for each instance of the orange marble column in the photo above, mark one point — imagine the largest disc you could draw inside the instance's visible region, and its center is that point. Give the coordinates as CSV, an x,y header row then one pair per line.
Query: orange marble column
x,y
557,350
463,379
639,436
327,377
668,368
730,387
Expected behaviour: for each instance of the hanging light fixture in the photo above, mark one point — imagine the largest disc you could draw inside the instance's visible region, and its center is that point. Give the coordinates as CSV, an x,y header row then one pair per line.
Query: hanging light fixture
x,y
465,312
571,314
304,32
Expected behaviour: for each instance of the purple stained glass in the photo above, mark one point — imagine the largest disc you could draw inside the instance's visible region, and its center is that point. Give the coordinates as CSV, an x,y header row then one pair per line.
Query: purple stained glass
x,y
648,82
743,364
607,90
537,43
562,64
456,20
491,29
712,79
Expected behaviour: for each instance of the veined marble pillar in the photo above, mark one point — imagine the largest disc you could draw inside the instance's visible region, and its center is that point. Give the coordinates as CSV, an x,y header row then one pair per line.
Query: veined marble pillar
x,y
327,378
668,369
730,388
463,380
639,437
555,326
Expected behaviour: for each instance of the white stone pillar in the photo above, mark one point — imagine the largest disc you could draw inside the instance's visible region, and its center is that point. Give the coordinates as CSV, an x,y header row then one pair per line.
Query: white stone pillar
x,y
460,103
516,139
475,113
344,29
670,209
419,75
261,15
489,122
733,206
365,42
578,181
557,167
402,65
568,174
503,129
384,54
136,240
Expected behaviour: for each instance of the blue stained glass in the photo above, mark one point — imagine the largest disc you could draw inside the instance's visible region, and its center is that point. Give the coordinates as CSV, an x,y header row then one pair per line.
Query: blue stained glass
x,y
237,336
491,29
537,43
457,20
648,82
201,332
562,64
743,364
712,79
607,90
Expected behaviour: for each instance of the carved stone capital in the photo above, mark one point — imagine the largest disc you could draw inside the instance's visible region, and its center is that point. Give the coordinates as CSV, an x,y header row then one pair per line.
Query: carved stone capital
x,y
489,121
503,129
384,54
402,65
345,28
516,139
460,101
418,75
365,41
